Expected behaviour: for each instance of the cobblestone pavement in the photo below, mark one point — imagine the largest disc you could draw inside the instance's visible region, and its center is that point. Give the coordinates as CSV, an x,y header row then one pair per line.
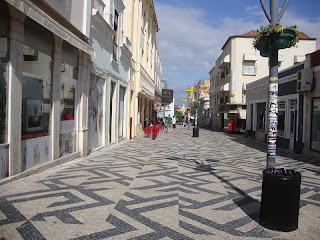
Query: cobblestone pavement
x,y
176,187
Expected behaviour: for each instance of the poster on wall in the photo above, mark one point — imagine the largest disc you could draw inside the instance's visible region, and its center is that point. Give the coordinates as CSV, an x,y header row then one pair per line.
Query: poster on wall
x,y
67,143
95,118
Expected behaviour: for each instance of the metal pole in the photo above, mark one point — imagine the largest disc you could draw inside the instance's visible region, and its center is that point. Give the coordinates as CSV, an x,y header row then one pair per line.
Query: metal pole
x,y
273,92
272,107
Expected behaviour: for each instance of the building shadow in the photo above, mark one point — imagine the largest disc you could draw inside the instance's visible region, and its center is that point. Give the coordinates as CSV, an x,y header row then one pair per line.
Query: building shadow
x,y
249,142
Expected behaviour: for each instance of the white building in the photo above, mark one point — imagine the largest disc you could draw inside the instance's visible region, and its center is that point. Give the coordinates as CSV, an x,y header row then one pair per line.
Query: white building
x,y
240,64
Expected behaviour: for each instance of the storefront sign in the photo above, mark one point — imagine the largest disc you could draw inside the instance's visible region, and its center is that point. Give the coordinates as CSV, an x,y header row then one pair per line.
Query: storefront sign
x,y
167,96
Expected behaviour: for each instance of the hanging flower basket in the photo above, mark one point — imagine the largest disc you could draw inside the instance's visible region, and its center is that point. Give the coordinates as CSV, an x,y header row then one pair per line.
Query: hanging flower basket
x,y
283,40
275,36
264,50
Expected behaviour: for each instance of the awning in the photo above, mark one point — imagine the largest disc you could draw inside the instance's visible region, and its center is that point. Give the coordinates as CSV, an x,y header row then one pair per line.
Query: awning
x,y
46,21
242,113
250,57
280,58
224,88
225,61
299,58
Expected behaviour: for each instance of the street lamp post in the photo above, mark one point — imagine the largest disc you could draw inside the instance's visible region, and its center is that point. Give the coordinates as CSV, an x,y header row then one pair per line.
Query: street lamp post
x,y
280,187
273,17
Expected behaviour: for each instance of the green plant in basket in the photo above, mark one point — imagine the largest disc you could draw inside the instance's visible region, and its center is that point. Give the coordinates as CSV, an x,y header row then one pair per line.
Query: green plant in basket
x,y
272,32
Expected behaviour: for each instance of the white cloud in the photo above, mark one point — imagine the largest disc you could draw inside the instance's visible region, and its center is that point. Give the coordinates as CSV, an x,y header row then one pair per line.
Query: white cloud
x,y
309,26
189,41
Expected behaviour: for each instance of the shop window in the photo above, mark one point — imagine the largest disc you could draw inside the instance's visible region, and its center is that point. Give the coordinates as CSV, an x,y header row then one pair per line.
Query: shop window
x,y
68,95
261,116
315,125
69,75
36,80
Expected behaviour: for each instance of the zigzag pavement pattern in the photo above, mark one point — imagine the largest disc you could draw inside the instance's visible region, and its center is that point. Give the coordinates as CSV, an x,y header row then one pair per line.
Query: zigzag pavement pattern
x,y
174,187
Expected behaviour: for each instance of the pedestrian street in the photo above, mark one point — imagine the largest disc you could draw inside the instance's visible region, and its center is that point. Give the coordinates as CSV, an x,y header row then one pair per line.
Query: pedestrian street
x,y
174,187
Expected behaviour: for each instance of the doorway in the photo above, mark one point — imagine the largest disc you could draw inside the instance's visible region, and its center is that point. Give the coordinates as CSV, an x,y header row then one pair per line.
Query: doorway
x,y
293,123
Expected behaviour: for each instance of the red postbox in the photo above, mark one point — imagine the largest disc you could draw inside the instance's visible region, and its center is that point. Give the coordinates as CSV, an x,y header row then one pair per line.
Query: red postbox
x,y
230,126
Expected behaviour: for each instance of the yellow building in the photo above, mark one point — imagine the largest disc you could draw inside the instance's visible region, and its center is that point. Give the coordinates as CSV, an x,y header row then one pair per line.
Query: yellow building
x,y
141,27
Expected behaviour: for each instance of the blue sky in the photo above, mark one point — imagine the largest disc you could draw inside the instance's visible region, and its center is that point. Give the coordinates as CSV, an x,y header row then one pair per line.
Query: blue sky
x,y
192,33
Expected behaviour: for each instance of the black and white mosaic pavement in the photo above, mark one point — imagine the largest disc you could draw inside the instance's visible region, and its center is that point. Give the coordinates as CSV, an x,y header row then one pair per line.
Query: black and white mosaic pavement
x,y
175,187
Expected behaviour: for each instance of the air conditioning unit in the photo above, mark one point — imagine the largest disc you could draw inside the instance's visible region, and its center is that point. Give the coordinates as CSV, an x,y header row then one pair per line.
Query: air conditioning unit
x,y
305,80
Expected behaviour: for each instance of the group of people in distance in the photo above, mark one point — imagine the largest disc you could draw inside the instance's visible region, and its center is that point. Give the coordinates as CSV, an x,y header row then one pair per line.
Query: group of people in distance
x,y
169,121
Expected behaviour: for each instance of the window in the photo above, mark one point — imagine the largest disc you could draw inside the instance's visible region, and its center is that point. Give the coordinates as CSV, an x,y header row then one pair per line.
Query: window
x,y
249,68
223,75
115,38
281,118
227,70
315,125
36,80
261,116
68,95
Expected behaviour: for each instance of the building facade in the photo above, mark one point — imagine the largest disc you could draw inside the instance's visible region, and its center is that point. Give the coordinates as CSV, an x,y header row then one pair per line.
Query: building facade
x,y
240,64
311,123
199,102
141,27
298,108
110,75
44,80
74,76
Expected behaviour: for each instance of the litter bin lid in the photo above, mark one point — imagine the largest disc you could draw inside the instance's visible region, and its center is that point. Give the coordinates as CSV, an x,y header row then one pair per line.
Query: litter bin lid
x,y
285,174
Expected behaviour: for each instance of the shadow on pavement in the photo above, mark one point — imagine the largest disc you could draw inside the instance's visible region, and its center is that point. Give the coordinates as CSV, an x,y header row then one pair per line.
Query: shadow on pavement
x,y
239,138
249,205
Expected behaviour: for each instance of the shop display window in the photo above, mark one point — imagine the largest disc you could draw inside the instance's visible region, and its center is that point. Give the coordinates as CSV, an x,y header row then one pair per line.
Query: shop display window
x,y
68,97
36,93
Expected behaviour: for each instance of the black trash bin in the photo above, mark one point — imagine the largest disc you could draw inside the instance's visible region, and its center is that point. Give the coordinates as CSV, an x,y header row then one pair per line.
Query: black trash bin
x,y
280,199
196,132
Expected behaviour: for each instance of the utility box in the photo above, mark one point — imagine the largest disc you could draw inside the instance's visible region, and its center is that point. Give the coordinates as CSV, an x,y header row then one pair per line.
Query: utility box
x,y
305,80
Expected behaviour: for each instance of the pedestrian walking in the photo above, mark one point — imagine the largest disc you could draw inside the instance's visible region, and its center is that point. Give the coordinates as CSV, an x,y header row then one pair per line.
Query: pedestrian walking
x,y
169,123
174,122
